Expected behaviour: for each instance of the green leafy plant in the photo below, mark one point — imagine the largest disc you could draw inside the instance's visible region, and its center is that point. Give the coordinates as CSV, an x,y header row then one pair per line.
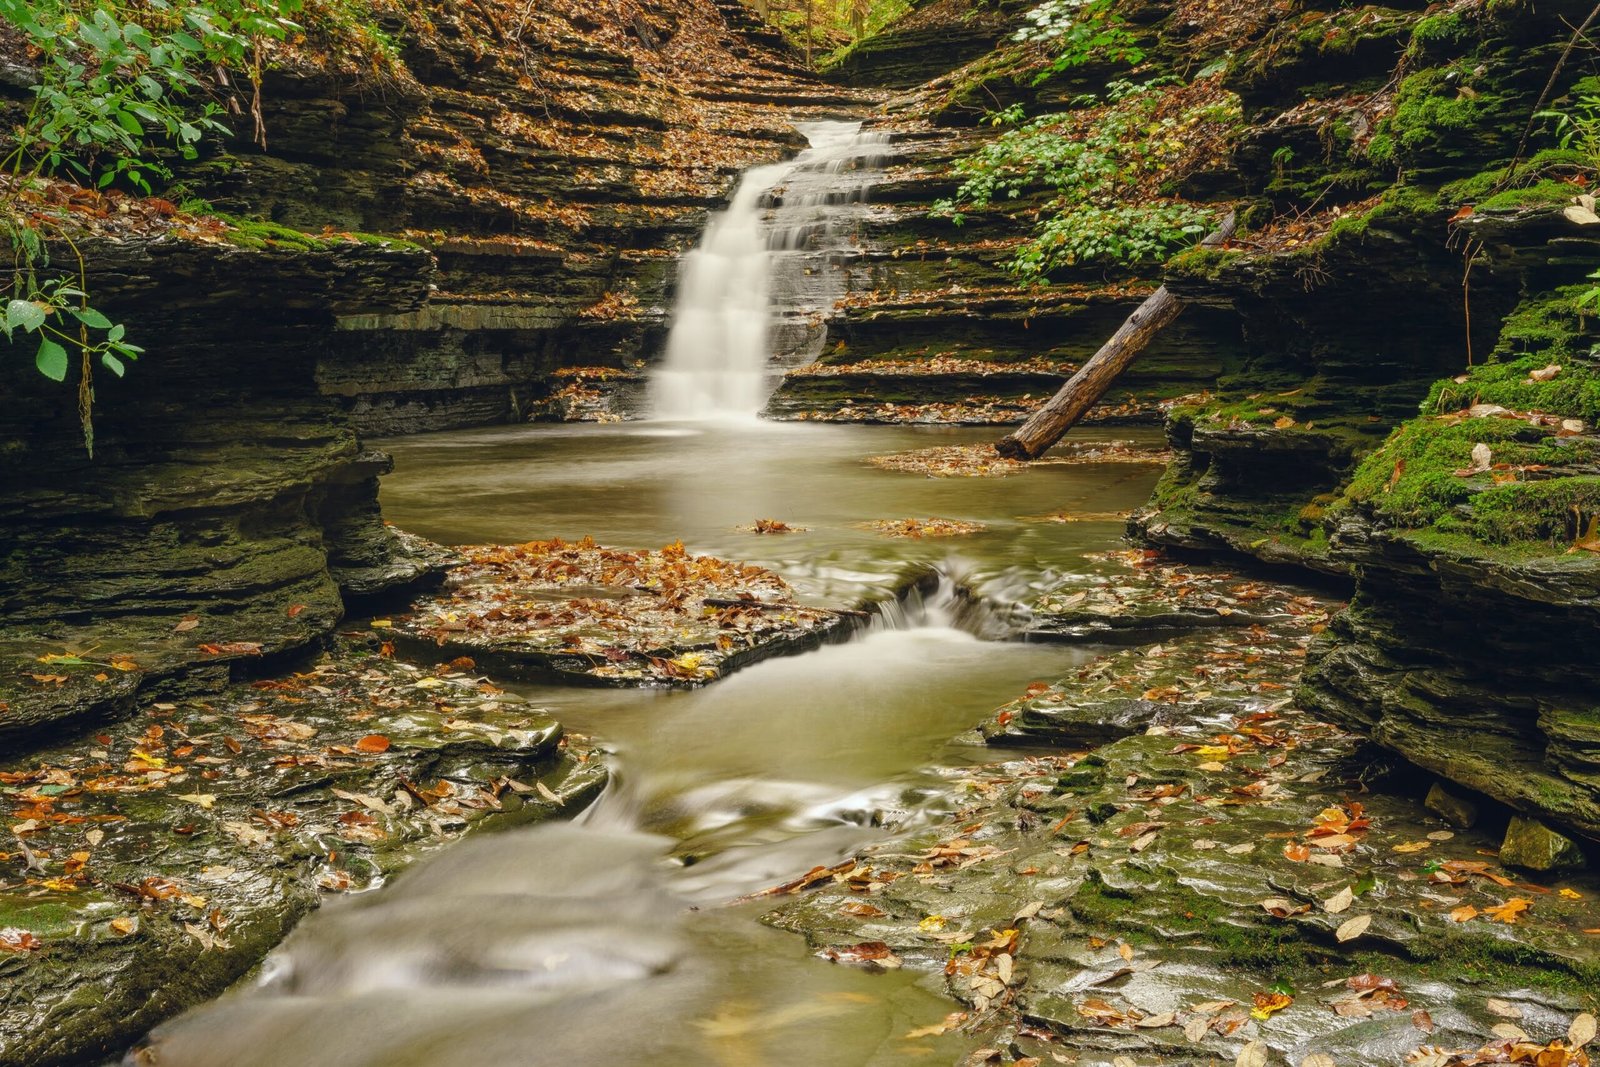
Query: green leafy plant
x,y
1588,301
1080,32
1578,128
1099,172
116,84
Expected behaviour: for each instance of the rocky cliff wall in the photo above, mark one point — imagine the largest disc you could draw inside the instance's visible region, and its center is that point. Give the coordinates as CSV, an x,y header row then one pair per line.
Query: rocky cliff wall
x,y
1391,257
544,163
555,161
228,512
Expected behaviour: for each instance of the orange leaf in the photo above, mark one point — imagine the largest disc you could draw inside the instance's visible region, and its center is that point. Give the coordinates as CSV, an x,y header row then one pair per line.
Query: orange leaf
x,y
373,743
1508,912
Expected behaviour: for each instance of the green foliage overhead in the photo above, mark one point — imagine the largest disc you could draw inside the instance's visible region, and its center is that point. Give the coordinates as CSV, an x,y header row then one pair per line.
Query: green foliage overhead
x,y
116,81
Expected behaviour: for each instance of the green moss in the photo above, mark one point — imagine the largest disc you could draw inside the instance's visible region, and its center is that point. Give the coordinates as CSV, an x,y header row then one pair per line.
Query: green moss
x,y
1440,114
261,234
1438,32
1551,329
1414,481
1574,393
1155,914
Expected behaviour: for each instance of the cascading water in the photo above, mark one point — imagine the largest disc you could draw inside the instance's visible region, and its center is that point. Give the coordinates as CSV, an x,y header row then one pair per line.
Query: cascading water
x,y
752,296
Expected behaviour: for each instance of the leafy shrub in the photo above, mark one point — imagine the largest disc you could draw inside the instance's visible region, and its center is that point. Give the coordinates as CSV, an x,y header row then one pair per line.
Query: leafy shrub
x,y
1080,32
1101,169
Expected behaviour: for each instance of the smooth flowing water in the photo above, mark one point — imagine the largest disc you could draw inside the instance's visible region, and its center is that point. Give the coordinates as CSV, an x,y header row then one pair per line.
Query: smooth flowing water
x,y
751,297
613,939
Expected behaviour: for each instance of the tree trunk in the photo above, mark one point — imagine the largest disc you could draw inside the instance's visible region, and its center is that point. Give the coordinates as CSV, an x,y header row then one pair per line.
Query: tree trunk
x,y
1085,388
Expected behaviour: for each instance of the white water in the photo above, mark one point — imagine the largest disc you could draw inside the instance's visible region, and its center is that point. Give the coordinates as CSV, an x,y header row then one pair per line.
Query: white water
x,y
753,295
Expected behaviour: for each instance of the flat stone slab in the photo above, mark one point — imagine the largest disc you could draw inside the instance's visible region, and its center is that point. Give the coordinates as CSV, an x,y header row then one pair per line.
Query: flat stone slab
x,y
581,612
1140,595
148,866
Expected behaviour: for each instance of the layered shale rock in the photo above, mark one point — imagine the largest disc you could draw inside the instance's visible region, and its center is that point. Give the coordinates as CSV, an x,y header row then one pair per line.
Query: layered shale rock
x,y
228,510
163,857
554,161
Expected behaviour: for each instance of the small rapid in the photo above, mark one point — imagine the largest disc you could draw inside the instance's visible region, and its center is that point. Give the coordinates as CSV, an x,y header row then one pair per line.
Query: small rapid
x,y
752,296
530,945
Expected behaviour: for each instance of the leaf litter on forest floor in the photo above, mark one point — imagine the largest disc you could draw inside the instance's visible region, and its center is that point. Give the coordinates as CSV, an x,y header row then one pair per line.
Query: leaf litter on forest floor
x,y
88,816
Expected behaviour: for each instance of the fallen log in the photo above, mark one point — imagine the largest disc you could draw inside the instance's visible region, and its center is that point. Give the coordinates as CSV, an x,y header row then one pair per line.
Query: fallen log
x,y
1084,389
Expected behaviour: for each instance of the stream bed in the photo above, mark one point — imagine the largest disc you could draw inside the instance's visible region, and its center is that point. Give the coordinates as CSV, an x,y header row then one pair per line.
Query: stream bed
x,y
635,933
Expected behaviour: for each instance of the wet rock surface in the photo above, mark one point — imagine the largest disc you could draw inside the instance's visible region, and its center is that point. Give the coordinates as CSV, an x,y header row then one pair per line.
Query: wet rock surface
x,y
222,488
1471,665
1229,879
1158,598
155,862
581,612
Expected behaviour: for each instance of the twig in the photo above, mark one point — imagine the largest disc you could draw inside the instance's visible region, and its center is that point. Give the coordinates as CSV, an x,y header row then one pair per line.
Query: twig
x,y
1544,97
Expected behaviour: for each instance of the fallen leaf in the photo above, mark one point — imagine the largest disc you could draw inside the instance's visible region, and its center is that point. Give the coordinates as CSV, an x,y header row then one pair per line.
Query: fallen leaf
x,y
373,743
1353,928
1503,1008
15,940
1508,912
1253,1054
1340,901
1581,1032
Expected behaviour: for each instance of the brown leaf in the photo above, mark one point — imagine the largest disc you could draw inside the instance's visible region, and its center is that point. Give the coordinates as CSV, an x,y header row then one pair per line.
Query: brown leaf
x,y
15,940
373,743
1353,928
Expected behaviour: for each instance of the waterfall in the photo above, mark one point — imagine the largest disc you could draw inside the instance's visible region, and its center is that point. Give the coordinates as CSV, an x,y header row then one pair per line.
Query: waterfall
x,y
753,296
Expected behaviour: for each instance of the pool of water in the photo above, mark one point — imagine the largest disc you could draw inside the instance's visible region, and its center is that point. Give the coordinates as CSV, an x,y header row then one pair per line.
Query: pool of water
x,y
620,938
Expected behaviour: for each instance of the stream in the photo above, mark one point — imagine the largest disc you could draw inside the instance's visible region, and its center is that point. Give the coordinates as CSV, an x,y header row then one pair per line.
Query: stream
x,y
611,937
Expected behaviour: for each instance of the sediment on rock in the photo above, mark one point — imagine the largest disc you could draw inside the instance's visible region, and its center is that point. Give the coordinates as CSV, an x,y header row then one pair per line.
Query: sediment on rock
x,y
581,612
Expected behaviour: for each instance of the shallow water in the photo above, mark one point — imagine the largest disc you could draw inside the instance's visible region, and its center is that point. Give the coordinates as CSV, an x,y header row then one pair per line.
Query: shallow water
x,y
611,939
642,485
